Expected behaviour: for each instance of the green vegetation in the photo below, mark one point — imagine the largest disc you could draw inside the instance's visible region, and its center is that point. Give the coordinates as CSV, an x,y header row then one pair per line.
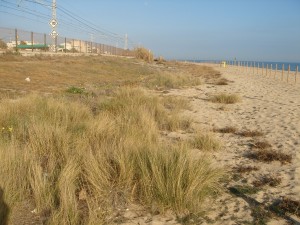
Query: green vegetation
x,y
244,189
75,90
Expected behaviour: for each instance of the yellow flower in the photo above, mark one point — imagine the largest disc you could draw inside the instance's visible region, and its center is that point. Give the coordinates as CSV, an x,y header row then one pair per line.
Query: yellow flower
x,y
10,129
3,128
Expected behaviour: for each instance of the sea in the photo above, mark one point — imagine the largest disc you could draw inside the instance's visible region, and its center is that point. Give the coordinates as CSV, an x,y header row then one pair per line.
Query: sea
x,y
260,64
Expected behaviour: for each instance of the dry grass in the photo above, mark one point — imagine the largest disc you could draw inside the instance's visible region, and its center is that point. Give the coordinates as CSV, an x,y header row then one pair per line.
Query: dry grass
x,y
205,142
222,81
228,129
270,180
91,72
170,80
94,73
144,54
72,162
262,145
245,169
224,98
251,133
266,155
205,73
287,206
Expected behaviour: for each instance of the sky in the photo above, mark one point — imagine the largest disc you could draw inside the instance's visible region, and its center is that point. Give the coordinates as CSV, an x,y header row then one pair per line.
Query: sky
x,y
254,30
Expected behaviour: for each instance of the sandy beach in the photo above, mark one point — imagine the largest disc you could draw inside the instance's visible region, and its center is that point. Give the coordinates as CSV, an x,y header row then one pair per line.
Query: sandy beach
x,y
268,105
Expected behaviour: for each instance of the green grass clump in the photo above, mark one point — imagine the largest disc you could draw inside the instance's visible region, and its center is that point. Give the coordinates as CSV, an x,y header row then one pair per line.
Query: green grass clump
x,y
225,98
75,90
244,189
58,149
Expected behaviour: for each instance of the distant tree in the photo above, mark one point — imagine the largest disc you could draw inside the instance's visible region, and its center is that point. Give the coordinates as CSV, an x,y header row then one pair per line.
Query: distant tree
x,y
3,45
23,43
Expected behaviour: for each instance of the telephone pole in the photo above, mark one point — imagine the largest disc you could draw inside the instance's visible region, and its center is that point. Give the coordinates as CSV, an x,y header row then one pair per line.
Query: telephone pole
x,y
53,23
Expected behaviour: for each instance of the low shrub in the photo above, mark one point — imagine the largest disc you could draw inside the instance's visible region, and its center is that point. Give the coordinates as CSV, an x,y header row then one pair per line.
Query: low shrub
x,y
144,54
225,98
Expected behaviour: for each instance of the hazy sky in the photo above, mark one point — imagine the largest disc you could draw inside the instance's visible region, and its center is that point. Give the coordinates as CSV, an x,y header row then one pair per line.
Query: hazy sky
x,y
267,30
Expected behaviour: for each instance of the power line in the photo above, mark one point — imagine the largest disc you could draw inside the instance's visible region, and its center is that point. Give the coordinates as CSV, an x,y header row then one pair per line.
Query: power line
x,y
70,20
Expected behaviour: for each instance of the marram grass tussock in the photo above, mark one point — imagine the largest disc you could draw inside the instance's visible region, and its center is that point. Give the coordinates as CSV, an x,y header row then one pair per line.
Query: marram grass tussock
x,y
59,148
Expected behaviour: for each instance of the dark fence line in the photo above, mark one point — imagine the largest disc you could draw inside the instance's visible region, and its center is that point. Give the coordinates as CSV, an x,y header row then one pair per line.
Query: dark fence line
x,y
282,71
19,40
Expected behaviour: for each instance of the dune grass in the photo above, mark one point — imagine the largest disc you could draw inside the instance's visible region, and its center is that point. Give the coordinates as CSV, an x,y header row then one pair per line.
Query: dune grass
x,y
143,54
224,98
205,142
169,80
70,161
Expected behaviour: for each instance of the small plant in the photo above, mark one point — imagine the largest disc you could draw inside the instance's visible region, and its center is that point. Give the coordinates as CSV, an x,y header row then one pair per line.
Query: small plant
x,y
75,90
270,180
3,45
205,142
287,206
225,98
222,81
262,145
251,133
261,216
265,155
244,189
245,169
228,129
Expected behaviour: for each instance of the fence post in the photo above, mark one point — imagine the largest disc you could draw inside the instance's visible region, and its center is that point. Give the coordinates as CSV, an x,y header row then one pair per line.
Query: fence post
x,y
271,68
296,74
275,71
16,38
267,69
282,72
56,44
31,41
65,45
73,49
45,44
80,46
262,69
287,79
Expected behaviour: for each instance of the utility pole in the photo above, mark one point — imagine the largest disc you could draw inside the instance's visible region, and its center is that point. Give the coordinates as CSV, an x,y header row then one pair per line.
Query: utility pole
x,y
53,23
126,42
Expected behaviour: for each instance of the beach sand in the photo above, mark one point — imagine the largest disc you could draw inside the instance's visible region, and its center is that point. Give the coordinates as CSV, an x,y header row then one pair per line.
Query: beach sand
x,y
268,105
271,106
